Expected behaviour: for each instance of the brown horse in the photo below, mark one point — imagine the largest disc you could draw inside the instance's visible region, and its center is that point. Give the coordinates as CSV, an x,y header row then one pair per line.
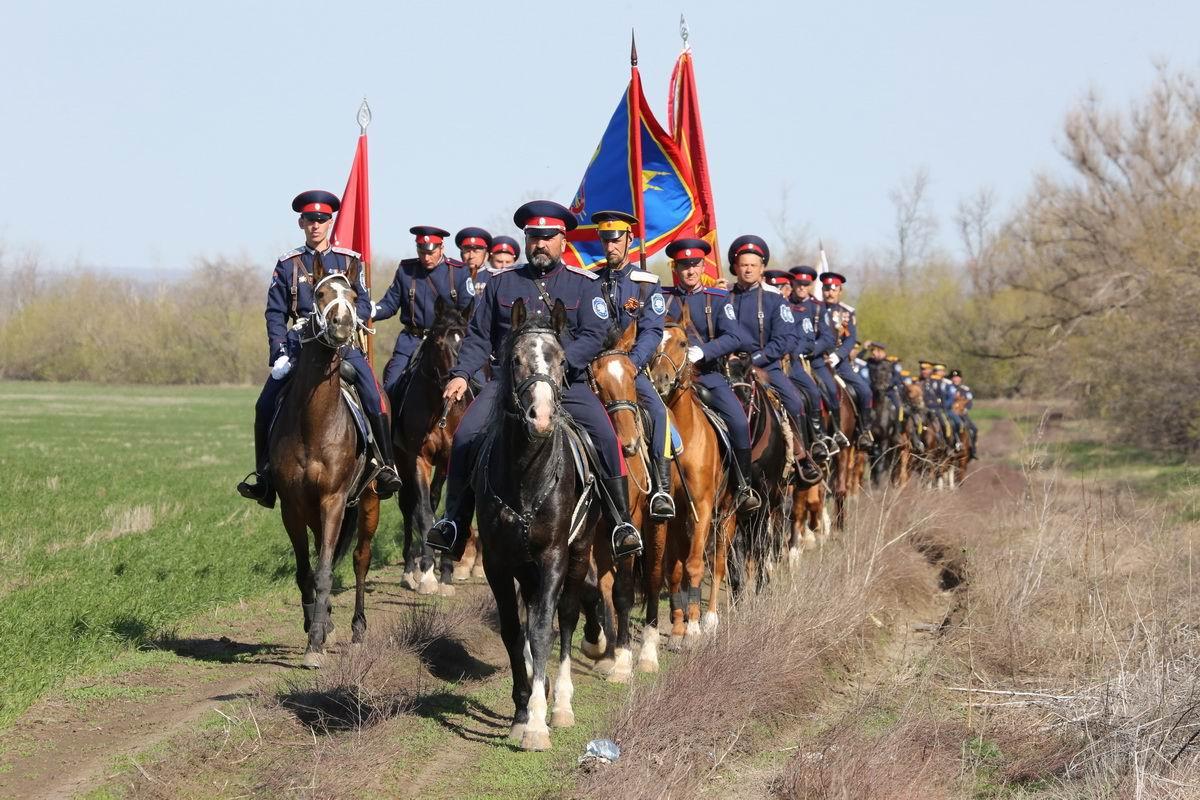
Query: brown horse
x,y
422,435
962,457
612,375
701,491
848,464
315,462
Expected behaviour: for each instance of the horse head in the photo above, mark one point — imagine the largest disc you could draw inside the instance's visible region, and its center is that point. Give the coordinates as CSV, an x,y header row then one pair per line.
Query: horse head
x,y
915,395
334,297
535,368
881,376
446,335
739,369
669,368
613,378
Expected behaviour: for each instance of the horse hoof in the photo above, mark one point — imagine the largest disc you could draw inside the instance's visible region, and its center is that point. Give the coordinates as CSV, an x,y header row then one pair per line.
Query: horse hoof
x,y
535,740
711,620
562,719
620,676
477,571
410,581
594,651
461,574
428,585
605,666
675,643
794,557
517,731
647,665
313,660
446,589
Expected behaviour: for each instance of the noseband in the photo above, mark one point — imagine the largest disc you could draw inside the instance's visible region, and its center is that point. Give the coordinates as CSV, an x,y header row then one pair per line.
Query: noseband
x,y
615,405
318,324
677,369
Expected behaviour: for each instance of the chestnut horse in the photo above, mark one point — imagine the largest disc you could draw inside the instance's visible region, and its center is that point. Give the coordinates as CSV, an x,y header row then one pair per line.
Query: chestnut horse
x,y
706,494
422,434
846,475
315,462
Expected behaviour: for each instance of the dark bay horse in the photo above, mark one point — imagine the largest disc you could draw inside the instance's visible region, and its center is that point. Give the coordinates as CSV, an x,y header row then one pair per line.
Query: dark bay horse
x,y
702,494
847,469
612,376
757,542
886,425
422,434
315,463
529,496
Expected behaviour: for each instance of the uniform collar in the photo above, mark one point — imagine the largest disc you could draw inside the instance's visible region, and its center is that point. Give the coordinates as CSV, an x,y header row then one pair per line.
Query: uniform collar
x,y
737,287
313,252
554,269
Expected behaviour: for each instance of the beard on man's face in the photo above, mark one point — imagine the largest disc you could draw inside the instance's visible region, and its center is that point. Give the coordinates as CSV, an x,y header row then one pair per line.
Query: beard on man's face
x,y
614,258
541,259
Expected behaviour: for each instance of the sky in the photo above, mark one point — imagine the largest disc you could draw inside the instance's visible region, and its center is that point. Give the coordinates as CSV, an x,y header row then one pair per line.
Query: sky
x,y
146,135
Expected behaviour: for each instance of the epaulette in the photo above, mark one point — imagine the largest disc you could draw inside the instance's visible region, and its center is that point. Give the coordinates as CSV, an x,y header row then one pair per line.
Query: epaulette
x,y
643,277
848,308
291,253
674,291
715,292
591,276
346,251
454,262
409,262
767,287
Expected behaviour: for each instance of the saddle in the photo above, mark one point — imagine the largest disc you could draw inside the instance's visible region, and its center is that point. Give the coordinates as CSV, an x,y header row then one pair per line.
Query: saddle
x,y
714,419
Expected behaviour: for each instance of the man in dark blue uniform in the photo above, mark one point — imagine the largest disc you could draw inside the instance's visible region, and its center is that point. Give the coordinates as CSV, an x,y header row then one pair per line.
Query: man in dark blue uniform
x,y
841,319
807,314
289,300
540,282
502,255
963,389
418,283
473,246
635,296
768,324
824,341
713,333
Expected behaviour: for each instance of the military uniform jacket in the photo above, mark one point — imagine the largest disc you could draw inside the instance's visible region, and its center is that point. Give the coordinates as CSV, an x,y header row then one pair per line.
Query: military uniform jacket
x,y
835,315
632,294
767,322
714,329
415,290
579,290
807,315
290,295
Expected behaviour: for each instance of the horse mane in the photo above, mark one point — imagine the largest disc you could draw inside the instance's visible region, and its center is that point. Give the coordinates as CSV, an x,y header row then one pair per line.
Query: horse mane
x,y
611,337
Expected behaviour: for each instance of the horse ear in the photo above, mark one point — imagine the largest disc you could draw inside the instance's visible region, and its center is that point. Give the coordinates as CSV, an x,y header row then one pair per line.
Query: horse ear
x,y
628,336
518,313
318,268
685,314
558,317
354,271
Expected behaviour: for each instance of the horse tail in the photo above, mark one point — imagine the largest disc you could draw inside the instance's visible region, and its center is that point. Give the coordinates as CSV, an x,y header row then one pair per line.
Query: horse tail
x,y
346,534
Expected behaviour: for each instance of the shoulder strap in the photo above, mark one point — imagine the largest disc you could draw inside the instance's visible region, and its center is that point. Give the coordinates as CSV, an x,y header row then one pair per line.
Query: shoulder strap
x,y
297,268
762,341
450,278
708,316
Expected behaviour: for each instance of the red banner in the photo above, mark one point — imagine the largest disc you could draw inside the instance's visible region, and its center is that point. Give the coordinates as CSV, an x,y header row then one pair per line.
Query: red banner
x,y
683,119
353,225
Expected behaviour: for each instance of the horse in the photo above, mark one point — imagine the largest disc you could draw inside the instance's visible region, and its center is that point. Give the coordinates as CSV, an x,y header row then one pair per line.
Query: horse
x,y
846,473
612,375
535,523
422,435
315,462
961,459
755,543
886,424
934,463
701,488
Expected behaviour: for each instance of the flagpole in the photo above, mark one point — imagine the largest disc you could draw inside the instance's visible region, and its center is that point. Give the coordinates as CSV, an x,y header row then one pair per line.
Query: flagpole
x,y
363,117
635,147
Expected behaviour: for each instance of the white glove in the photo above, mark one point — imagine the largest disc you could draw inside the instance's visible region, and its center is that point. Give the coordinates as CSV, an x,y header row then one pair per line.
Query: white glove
x,y
374,309
300,324
695,354
283,365
834,359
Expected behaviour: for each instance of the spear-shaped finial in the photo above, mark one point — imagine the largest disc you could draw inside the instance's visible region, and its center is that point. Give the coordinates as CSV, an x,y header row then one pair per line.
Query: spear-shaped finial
x,y
683,30
632,48
364,116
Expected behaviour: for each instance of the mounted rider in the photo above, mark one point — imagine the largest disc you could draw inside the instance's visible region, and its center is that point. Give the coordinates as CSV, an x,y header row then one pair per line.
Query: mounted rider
x,y
769,327
632,296
415,289
806,310
965,391
473,246
539,282
824,342
289,301
501,255
717,336
841,319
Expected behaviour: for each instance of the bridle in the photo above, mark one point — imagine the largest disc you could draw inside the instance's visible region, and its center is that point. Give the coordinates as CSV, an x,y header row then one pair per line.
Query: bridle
x,y
614,406
680,371
516,408
318,323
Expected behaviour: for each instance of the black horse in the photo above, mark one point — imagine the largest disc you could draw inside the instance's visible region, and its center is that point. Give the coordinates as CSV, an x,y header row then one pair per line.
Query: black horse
x,y
529,495
422,432
885,422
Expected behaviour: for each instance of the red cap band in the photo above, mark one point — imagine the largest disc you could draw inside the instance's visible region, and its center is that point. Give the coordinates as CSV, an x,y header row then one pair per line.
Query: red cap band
x,y
429,238
546,222
748,247
473,241
781,281
504,247
832,281
320,208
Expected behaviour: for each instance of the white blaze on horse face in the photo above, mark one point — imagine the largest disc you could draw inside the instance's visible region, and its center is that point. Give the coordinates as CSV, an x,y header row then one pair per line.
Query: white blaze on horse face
x,y
543,393
616,370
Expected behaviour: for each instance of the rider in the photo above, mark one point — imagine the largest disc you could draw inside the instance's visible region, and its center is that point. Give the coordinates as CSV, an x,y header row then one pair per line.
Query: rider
x,y
947,391
417,285
718,335
824,341
290,299
963,389
634,296
540,282
806,312
502,255
839,316
768,324
473,245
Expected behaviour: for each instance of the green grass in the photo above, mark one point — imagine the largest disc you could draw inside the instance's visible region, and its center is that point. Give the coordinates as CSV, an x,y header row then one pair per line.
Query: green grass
x,y
1147,473
119,518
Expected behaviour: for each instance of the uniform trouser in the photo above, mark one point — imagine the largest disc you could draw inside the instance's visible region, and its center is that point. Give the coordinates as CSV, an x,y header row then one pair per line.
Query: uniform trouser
x,y
956,422
406,345
577,400
970,423
829,388
653,403
787,394
862,398
808,390
726,404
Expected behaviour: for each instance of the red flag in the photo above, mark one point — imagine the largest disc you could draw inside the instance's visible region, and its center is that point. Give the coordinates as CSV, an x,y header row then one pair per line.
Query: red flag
x,y
352,228
683,118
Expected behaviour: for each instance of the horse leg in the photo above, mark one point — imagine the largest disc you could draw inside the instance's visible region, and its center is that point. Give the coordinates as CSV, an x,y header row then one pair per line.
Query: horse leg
x,y
623,588
695,572
723,534
678,597
542,586
606,576
406,499
563,716
652,579
368,521
796,540
423,520
446,568
470,560
332,509
503,589
297,530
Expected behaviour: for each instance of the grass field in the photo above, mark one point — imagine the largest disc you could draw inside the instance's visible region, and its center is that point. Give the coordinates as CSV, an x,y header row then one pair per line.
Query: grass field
x,y
118,518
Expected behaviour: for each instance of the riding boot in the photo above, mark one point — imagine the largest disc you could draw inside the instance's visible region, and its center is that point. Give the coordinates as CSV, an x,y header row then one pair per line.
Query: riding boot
x,y
450,533
806,468
839,438
626,541
865,439
261,490
745,499
387,482
820,448
973,435
662,505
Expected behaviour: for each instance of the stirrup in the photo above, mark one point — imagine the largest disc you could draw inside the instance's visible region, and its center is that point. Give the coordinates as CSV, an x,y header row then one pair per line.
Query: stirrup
x,y
669,513
840,439
260,492
747,500
619,534
387,482
819,451
813,475
436,538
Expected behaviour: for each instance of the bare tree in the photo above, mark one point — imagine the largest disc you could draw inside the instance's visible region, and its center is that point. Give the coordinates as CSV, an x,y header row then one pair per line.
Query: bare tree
x,y
793,239
976,230
915,223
